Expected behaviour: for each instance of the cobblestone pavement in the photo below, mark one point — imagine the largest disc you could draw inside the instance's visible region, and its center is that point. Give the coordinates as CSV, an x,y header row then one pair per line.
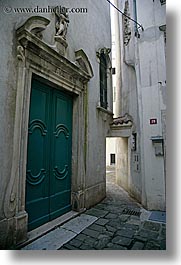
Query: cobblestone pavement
x,y
119,225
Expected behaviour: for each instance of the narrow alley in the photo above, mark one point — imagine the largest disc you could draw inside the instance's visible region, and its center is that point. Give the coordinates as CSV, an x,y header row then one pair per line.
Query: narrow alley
x,y
117,223
72,104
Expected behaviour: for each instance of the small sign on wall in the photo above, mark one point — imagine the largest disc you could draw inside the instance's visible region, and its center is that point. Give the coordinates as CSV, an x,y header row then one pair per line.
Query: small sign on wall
x,y
153,121
134,140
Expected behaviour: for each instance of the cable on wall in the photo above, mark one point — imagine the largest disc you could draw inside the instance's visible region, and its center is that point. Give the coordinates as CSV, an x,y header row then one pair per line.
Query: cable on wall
x,y
140,26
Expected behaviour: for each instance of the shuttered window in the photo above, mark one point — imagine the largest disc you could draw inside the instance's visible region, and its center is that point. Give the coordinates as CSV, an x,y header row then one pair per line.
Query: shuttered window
x,y
103,81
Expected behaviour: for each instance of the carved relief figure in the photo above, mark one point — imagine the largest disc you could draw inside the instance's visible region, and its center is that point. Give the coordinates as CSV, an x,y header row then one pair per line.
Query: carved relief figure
x,y
61,24
126,23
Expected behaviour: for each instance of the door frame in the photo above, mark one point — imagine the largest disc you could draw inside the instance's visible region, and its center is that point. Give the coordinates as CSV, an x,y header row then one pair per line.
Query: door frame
x,y
35,57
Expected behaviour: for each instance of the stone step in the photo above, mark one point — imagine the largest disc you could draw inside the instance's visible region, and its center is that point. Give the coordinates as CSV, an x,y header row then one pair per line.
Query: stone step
x,y
61,235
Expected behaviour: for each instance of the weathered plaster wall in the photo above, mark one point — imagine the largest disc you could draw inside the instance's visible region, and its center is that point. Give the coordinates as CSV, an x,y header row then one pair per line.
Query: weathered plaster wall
x,y
152,71
144,97
89,31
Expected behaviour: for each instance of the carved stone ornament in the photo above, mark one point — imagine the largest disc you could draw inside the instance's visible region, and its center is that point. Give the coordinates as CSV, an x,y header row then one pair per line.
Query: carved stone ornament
x,y
104,50
61,24
78,200
35,25
83,62
20,53
126,24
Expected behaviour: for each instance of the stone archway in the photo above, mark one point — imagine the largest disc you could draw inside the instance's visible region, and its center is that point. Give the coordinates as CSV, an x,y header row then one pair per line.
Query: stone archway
x,y
121,129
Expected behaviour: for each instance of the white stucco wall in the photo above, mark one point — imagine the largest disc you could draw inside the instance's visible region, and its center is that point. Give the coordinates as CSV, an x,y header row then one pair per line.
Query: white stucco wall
x,y
143,96
152,77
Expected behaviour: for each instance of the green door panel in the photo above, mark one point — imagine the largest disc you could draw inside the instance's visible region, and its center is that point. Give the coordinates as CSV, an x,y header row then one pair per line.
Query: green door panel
x,y
60,180
48,181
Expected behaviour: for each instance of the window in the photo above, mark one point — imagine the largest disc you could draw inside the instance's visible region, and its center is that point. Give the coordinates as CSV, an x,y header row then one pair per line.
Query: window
x,y
112,159
103,81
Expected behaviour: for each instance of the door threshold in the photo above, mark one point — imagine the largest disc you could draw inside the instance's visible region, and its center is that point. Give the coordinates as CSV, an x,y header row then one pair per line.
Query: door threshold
x,y
46,228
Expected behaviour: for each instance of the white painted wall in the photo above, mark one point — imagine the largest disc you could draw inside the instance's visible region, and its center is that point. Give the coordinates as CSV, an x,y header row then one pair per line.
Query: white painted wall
x,y
143,96
110,149
152,71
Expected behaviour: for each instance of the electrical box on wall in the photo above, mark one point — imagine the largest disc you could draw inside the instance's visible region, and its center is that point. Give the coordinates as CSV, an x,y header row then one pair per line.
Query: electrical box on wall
x,y
157,142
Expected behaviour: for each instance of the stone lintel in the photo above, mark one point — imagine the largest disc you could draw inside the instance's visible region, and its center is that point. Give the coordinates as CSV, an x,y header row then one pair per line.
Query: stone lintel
x,y
31,42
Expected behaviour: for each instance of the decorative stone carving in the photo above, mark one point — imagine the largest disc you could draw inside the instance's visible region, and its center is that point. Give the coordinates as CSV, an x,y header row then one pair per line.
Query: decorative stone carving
x,y
78,201
126,24
10,199
20,53
35,25
61,24
83,62
104,50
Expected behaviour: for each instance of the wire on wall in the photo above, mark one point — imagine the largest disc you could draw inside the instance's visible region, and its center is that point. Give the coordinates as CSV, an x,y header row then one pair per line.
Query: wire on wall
x,y
139,25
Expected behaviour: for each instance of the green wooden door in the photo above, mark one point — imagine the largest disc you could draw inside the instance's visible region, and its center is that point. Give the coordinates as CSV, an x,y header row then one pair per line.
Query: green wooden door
x,y
48,182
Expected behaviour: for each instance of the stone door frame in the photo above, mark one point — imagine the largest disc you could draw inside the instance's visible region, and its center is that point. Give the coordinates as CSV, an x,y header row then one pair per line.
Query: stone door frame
x,y
35,57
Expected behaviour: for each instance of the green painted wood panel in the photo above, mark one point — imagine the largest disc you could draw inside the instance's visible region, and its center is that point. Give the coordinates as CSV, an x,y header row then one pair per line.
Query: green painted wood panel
x,y
60,184
48,181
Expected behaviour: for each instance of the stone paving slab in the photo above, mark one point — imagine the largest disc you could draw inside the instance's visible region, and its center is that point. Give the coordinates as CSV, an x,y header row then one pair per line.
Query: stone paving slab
x,y
97,228
101,221
91,233
52,241
138,246
126,233
79,223
111,246
63,234
97,212
123,241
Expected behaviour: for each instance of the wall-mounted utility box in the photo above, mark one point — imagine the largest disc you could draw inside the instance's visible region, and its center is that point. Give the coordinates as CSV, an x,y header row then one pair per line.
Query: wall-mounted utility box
x,y
157,142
